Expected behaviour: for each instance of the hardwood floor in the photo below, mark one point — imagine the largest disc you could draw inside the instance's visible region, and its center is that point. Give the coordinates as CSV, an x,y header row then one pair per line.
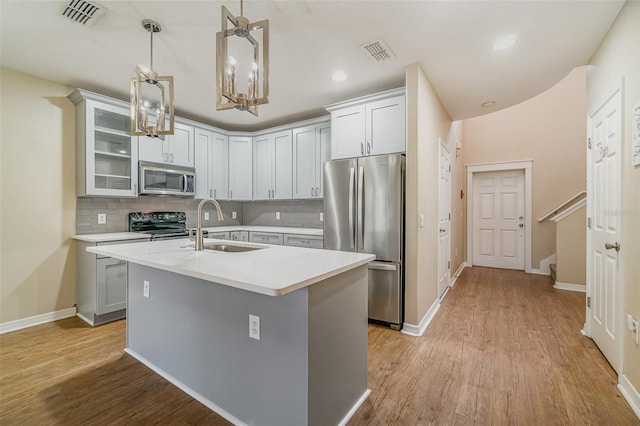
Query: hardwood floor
x,y
504,348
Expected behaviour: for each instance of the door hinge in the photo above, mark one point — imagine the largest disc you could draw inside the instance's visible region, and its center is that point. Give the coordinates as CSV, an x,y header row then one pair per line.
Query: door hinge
x,y
589,143
449,216
588,301
589,222
449,167
449,264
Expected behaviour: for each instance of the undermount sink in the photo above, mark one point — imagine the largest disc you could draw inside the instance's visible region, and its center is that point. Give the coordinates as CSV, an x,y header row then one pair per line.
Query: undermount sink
x,y
230,248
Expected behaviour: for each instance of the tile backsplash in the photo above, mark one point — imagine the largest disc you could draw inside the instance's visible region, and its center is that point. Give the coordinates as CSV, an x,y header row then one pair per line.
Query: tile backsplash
x,y
295,213
298,213
118,209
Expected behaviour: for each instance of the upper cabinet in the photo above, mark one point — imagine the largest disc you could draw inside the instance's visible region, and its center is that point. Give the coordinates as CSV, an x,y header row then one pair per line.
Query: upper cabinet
x,y
176,149
240,168
311,149
272,168
211,161
370,125
106,154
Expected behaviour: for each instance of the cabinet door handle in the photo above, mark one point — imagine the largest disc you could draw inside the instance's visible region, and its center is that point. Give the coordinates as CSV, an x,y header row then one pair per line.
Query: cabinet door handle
x,y
230,194
210,193
214,193
368,148
171,157
317,191
362,148
164,157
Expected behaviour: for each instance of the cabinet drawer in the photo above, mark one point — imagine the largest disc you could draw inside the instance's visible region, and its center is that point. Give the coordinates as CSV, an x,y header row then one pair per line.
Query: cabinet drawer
x,y
218,235
310,241
265,237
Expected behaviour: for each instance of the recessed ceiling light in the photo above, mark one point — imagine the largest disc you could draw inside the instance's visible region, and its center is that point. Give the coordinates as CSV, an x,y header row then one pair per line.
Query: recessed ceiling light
x,y
488,104
339,75
505,42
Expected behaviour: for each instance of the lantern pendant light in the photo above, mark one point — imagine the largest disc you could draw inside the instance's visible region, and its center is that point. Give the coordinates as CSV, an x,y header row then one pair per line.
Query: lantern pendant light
x,y
242,55
151,96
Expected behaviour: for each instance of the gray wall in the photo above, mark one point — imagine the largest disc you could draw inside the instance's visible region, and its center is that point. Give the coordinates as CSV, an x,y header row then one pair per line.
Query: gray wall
x,y
295,213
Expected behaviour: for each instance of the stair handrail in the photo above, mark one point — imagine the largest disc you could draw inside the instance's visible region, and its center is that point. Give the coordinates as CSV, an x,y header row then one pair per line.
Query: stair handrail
x,y
562,206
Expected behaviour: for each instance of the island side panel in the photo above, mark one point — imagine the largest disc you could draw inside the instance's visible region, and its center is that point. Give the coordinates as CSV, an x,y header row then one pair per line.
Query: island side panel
x,y
198,332
337,345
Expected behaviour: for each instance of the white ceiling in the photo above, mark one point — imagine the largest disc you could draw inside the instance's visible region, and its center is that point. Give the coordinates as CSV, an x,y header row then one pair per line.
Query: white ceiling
x,y
309,40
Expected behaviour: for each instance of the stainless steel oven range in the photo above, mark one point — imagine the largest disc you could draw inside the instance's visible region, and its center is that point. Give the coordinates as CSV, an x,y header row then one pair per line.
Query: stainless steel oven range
x,y
160,225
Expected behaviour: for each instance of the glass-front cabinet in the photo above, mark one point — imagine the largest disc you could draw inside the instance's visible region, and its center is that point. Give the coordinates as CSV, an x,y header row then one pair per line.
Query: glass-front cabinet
x,y
107,155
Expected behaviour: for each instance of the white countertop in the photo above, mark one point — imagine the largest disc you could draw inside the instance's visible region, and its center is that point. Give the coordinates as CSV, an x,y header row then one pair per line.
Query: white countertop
x,y
276,229
122,236
112,236
275,270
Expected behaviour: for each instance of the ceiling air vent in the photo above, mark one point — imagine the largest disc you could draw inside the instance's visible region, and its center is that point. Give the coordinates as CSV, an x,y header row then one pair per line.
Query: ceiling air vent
x,y
377,51
82,12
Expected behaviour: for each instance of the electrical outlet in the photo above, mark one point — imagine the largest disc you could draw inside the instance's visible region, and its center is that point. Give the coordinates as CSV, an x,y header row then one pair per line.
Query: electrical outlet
x,y
206,215
421,221
102,218
277,215
254,327
145,289
321,217
234,215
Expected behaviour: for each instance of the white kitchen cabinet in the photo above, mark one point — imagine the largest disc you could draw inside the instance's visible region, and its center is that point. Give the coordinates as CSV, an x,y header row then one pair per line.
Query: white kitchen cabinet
x,y
224,235
239,235
348,130
371,125
300,240
176,149
311,149
266,237
102,284
211,162
385,126
106,154
240,168
272,166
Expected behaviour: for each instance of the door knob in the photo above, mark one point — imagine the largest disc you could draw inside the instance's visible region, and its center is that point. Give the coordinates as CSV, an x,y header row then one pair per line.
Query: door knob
x,y
609,246
443,230
521,225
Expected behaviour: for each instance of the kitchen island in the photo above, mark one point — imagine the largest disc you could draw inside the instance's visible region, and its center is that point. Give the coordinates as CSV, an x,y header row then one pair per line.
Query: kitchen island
x,y
188,319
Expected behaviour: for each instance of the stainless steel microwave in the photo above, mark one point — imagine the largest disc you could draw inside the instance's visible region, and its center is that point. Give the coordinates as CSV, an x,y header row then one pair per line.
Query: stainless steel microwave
x,y
167,179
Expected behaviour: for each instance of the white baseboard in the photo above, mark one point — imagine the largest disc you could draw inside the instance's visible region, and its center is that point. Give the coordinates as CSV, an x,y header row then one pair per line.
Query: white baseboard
x,y
581,288
457,274
355,407
7,327
186,389
630,393
544,266
418,330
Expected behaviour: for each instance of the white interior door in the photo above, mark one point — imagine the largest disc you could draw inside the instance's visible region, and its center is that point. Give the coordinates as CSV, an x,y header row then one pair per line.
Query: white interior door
x,y
498,219
444,243
604,203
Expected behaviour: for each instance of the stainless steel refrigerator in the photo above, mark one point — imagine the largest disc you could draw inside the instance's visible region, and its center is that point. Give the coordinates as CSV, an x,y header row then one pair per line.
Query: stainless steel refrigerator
x,y
364,212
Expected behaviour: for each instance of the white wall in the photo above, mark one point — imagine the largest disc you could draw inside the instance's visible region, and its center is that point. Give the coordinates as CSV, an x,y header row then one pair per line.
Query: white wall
x,y
619,55
427,120
37,188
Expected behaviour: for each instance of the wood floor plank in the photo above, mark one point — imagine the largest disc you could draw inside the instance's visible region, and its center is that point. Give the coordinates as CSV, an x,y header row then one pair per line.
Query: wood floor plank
x,y
504,349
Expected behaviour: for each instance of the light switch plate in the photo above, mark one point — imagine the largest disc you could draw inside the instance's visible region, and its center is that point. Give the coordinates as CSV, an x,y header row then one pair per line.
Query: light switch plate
x,y
234,215
321,217
102,218
277,215
145,289
206,215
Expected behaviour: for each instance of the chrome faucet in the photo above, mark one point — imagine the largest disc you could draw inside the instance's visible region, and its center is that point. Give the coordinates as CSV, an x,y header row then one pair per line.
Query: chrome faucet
x,y
198,237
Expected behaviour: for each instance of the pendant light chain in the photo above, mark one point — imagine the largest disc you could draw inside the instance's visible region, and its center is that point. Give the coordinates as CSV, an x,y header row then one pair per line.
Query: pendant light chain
x,y
242,8
151,53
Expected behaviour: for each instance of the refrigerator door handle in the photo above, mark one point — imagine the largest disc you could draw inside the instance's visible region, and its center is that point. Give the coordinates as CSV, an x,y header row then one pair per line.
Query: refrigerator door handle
x,y
361,206
352,228
383,266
